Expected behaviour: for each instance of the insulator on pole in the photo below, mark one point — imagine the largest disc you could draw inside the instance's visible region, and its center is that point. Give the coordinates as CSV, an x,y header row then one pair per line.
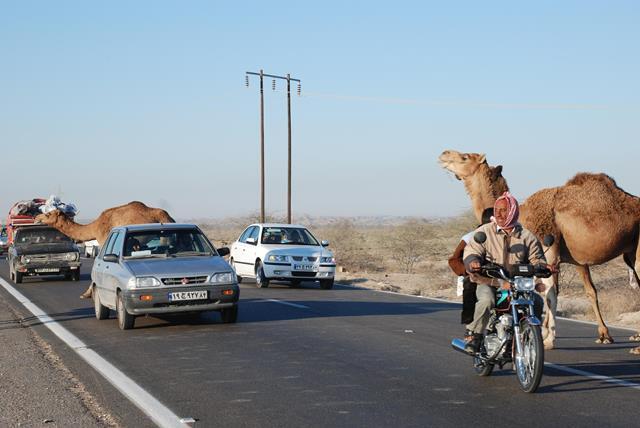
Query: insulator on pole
x,y
299,89
246,80
273,84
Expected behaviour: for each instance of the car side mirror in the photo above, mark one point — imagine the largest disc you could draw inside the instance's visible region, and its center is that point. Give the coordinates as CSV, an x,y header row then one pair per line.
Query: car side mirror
x,y
223,251
480,237
110,258
324,243
251,241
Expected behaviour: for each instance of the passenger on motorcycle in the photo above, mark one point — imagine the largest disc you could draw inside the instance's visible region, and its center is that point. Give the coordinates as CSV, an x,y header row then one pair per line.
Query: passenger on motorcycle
x,y
507,243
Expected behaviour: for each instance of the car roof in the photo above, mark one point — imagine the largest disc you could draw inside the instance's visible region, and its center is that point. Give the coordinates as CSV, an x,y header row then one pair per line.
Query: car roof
x,y
156,226
279,225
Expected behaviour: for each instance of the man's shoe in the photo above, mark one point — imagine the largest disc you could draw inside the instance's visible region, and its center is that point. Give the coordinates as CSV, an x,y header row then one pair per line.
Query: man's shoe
x,y
473,345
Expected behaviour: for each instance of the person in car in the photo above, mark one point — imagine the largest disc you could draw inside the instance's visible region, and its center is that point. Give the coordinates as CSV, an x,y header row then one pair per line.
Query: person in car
x,y
507,243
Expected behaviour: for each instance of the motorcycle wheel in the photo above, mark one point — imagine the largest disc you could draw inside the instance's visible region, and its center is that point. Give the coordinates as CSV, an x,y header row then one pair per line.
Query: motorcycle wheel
x,y
530,364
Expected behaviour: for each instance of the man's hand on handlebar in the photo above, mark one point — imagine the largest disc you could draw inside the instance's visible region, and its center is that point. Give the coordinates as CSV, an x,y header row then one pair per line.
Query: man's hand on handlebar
x,y
474,266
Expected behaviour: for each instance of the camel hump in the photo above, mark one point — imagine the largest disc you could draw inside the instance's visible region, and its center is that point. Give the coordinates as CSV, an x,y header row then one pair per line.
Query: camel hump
x,y
584,178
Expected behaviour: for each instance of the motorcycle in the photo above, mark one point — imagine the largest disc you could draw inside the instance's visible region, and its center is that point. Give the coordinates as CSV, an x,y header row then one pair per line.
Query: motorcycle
x,y
513,333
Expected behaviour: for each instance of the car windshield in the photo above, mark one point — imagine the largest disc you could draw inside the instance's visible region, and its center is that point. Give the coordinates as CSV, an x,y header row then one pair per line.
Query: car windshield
x,y
287,236
40,236
172,242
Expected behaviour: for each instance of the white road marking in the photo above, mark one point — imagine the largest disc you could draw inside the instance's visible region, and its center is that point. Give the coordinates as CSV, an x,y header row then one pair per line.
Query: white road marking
x,y
153,408
590,375
283,302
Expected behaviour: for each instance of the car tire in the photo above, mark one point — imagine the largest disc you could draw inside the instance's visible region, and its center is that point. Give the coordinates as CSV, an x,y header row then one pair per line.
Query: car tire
x,y
326,284
296,283
17,277
233,266
102,312
261,279
229,315
125,319
75,275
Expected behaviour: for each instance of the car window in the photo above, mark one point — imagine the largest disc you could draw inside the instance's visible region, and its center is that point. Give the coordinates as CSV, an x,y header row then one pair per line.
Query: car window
x,y
288,235
175,242
254,233
243,237
111,242
117,246
41,236
103,251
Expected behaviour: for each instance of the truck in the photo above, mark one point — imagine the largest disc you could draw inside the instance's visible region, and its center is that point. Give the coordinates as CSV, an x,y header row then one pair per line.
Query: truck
x,y
37,249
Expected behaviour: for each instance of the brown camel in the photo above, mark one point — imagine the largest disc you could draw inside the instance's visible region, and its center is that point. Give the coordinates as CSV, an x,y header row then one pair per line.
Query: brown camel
x,y
592,219
132,213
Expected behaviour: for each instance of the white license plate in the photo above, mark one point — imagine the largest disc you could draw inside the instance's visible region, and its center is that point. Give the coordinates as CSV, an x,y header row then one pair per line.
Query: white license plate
x,y
47,270
188,295
304,267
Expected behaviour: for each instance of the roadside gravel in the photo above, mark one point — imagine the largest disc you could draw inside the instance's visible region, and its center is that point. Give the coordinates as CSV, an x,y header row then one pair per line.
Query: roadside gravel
x,y
36,389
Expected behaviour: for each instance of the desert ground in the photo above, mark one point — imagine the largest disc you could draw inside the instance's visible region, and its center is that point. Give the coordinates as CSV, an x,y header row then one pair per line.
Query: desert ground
x,y
409,255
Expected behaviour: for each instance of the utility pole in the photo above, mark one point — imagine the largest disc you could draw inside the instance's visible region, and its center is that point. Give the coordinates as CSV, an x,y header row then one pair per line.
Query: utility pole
x,y
288,78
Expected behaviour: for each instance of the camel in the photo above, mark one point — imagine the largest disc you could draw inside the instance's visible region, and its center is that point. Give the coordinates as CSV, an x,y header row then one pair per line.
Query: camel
x,y
592,220
132,213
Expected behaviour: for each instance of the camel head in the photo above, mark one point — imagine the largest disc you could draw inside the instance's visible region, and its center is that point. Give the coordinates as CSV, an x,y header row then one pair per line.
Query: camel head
x,y
462,165
53,218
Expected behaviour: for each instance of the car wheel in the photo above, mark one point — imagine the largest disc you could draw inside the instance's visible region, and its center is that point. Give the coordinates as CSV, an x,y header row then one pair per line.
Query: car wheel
x,y
261,280
17,277
233,266
326,284
229,315
125,319
75,275
102,312
296,283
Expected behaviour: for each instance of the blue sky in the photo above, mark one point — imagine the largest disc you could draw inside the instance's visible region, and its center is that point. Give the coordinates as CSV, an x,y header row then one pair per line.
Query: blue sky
x,y
108,102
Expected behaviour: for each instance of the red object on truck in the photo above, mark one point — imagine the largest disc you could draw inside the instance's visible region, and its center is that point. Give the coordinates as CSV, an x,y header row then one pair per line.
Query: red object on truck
x,y
17,220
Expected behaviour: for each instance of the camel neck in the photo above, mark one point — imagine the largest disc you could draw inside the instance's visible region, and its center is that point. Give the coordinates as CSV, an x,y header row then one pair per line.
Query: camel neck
x,y
483,189
78,232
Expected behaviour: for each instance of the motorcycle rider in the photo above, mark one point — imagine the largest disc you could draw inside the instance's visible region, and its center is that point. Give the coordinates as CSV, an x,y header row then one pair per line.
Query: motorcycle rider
x,y
507,243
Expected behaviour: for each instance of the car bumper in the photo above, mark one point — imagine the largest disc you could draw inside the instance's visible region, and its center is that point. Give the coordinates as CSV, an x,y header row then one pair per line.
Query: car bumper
x,y
159,302
52,268
286,271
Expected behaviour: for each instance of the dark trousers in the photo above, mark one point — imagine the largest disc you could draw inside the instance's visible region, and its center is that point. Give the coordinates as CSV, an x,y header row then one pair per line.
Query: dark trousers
x,y
468,300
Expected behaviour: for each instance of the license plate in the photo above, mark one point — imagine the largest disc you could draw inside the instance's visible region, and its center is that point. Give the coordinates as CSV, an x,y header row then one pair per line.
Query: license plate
x,y
188,295
304,267
45,270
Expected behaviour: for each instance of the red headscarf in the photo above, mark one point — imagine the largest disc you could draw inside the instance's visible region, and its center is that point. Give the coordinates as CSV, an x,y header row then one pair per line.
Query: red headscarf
x,y
513,214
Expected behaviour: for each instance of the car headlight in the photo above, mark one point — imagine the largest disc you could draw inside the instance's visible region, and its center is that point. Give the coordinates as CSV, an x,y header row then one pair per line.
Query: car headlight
x,y
25,259
143,282
223,278
71,257
524,284
327,259
277,258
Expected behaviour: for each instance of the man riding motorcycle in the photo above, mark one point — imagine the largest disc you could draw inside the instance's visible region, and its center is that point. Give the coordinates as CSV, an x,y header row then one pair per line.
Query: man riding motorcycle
x,y
507,243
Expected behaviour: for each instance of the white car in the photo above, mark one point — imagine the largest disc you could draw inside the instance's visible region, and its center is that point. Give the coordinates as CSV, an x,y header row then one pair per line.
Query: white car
x,y
268,251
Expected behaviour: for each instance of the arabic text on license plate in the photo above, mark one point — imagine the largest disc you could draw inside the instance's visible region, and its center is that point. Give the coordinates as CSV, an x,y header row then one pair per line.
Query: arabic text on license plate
x,y
303,267
42,270
188,295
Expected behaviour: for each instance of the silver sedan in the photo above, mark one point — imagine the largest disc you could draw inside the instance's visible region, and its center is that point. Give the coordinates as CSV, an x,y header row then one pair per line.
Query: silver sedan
x,y
161,269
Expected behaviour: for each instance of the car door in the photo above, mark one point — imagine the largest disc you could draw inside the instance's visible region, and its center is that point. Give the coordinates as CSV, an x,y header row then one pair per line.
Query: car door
x,y
241,259
111,269
97,272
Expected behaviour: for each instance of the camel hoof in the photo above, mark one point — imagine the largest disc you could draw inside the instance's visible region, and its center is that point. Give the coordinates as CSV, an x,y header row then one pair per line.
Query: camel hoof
x,y
545,333
635,351
635,337
85,296
605,340
549,344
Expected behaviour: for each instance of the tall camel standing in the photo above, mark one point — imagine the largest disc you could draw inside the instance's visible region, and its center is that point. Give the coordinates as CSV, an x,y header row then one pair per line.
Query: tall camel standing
x,y
591,218
132,213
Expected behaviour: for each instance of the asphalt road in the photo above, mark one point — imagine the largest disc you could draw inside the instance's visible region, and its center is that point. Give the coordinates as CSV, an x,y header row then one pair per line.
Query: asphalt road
x,y
342,357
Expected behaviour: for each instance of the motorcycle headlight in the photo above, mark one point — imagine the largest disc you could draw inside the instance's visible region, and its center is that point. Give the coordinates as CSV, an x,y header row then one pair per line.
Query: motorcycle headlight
x,y
524,284
143,282
327,259
223,278
277,258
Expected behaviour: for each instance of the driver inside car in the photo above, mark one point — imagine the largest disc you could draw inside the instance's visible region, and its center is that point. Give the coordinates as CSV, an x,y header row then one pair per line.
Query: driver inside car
x,y
507,244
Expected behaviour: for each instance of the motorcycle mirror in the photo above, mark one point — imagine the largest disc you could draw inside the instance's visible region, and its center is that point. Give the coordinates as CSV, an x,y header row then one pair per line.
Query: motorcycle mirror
x,y
480,237
548,240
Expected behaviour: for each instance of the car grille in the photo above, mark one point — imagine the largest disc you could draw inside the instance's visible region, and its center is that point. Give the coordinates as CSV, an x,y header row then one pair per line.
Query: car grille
x,y
300,258
304,274
40,258
179,281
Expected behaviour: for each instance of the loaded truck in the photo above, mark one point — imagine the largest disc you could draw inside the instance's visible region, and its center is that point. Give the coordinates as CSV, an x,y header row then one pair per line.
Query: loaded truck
x,y
37,249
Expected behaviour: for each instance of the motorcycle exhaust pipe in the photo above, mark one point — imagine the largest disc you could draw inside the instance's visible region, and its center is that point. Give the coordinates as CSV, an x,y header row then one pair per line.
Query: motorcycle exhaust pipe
x,y
458,345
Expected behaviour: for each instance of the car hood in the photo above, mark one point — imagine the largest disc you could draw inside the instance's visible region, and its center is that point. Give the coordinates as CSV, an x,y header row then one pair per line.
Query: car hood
x,y
298,250
178,266
45,248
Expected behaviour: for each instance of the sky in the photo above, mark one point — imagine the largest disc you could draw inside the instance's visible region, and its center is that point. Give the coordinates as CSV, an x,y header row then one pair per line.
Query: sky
x,y
103,103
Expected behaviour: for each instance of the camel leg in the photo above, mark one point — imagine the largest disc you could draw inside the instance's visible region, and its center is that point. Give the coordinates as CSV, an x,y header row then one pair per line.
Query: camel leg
x,y
590,289
551,305
630,260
